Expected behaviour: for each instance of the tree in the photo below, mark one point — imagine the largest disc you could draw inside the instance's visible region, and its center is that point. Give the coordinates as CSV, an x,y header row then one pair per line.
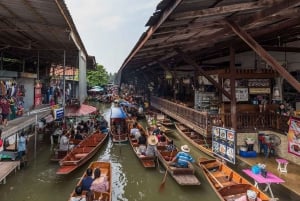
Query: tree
x,y
97,77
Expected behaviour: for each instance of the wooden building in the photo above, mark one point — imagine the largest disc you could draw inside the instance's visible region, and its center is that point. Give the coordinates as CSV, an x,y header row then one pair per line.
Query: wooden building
x,y
229,62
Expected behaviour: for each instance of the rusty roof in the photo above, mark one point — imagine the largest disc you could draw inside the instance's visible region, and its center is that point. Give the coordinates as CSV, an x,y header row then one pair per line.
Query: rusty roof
x,y
44,27
200,29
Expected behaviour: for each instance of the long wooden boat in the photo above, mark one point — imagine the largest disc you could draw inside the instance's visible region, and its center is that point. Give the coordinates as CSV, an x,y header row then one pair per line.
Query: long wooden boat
x,y
183,176
106,169
164,120
149,118
228,184
147,161
84,151
199,141
118,125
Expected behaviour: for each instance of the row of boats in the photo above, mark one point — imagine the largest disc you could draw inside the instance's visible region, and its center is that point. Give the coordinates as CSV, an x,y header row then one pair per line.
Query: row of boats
x,y
227,184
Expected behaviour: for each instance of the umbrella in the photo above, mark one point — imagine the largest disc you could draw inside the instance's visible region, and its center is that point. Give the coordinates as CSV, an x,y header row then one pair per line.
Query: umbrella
x,y
83,110
117,112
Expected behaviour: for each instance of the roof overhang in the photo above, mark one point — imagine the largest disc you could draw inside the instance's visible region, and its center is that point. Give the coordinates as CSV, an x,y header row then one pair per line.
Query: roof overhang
x,y
41,29
200,29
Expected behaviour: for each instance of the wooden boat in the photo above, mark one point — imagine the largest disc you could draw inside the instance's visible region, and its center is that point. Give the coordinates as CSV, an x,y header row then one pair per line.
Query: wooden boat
x,y
58,154
150,122
84,151
106,169
228,184
147,161
183,176
199,141
164,120
118,125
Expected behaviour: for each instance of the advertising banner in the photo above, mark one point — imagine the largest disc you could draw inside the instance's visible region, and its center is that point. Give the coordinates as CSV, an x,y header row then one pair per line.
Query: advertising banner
x,y
294,136
223,143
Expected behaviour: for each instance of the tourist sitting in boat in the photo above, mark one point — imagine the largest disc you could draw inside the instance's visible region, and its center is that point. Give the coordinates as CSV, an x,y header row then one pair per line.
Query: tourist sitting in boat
x,y
142,142
64,142
156,130
79,196
100,183
87,180
151,147
251,196
162,140
171,146
90,196
134,129
78,135
182,158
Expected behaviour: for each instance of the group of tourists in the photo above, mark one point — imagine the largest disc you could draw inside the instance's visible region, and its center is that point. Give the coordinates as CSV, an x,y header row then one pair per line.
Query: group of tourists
x,y
91,184
80,131
148,146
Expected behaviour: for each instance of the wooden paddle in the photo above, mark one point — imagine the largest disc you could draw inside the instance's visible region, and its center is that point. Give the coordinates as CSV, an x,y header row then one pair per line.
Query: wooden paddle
x,y
162,185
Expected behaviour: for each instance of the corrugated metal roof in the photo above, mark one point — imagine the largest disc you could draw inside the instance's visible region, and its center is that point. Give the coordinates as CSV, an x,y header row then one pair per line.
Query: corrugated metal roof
x,y
199,28
44,26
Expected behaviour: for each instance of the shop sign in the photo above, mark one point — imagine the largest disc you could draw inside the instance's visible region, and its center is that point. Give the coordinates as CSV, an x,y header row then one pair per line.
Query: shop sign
x,y
223,143
58,113
241,94
259,90
294,136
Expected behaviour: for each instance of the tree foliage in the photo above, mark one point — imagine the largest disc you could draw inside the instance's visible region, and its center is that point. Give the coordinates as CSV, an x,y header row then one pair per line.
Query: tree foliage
x,y
97,77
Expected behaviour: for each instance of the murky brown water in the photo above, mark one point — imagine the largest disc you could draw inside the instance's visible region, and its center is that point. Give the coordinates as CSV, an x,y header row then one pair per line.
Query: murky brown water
x,y
38,181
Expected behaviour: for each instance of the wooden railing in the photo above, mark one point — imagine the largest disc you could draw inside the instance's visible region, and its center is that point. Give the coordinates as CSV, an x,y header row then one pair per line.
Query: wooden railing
x,y
202,121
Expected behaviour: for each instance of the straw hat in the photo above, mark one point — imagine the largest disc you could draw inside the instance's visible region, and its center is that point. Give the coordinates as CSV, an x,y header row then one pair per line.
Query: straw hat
x,y
185,148
251,194
152,140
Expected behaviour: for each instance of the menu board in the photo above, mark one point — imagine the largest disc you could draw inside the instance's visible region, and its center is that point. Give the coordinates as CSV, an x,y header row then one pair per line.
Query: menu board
x,y
223,143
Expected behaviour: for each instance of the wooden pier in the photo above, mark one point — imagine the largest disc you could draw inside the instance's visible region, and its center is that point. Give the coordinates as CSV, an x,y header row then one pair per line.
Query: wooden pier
x,y
6,167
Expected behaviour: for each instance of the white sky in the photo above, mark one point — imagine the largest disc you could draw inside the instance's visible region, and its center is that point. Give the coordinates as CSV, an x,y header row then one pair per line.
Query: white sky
x,y
109,29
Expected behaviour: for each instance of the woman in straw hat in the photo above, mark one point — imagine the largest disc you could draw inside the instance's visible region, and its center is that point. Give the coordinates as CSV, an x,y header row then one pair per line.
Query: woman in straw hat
x,y
151,147
182,158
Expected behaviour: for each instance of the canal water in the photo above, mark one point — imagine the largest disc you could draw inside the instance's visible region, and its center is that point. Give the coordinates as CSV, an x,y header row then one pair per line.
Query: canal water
x,y
132,182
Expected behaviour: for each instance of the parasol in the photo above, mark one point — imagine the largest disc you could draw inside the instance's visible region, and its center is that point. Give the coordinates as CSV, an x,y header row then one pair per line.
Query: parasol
x,y
83,110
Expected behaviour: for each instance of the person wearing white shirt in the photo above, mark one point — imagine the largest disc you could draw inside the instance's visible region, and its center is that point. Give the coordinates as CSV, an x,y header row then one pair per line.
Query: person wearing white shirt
x,y
64,142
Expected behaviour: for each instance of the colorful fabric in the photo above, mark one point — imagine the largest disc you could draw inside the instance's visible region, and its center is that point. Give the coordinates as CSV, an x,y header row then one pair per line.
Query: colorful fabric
x,y
183,158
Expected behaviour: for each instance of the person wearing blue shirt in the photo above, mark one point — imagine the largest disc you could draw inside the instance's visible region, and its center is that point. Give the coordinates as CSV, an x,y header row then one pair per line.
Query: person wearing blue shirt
x,y
87,180
21,146
182,158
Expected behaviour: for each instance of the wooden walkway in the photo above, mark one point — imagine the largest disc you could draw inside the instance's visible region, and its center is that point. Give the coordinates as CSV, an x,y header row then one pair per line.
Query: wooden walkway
x,y
6,168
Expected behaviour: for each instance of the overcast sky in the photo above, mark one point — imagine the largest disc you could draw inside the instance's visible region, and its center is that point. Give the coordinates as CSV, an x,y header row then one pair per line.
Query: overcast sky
x,y
109,29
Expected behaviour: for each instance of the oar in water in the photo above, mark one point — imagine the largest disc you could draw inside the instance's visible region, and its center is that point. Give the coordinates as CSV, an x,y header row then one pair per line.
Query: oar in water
x,y
158,166
162,185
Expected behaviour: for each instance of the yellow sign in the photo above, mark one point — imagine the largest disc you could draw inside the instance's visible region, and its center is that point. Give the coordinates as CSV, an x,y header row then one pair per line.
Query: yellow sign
x,y
259,90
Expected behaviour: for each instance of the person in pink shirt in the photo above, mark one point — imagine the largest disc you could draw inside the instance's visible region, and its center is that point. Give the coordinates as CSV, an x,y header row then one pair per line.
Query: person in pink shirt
x,y
100,183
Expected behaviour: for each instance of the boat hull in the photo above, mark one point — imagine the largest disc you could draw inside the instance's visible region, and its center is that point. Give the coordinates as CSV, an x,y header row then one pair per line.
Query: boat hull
x,y
183,176
195,140
84,151
228,184
106,169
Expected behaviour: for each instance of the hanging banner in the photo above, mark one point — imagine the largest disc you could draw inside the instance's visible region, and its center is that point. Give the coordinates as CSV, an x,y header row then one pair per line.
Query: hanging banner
x,y
223,143
294,136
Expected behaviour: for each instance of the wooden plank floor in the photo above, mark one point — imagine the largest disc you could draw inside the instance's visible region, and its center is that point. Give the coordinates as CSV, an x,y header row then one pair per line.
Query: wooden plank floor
x,y
6,168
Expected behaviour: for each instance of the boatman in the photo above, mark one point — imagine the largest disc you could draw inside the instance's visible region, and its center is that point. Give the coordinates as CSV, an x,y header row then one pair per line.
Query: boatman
x,y
182,158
